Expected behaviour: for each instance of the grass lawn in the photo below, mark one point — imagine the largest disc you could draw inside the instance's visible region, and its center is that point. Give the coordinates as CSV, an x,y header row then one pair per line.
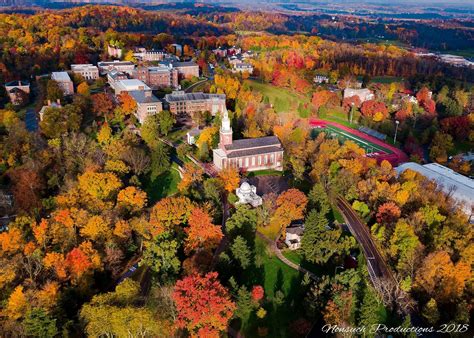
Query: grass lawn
x,y
276,278
283,100
164,185
177,135
266,172
297,257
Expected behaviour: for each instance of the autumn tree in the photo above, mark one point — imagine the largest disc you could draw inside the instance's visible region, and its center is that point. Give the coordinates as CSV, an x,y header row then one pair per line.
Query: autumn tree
x,y
27,187
202,234
132,198
440,146
291,206
127,104
229,178
83,89
160,254
170,212
102,105
375,110
101,186
192,176
204,305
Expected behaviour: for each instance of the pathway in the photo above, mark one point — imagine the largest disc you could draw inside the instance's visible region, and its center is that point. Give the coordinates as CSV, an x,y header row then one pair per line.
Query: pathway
x,y
281,257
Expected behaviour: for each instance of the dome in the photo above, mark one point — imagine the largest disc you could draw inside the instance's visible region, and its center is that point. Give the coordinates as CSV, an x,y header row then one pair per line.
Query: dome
x,y
245,187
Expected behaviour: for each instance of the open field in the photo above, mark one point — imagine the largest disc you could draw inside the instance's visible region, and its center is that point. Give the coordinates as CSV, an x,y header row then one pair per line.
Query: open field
x,y
283,100
164,185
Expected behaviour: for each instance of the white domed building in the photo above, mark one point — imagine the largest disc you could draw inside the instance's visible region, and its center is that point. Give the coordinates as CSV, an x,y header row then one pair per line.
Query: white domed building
x,y
247,194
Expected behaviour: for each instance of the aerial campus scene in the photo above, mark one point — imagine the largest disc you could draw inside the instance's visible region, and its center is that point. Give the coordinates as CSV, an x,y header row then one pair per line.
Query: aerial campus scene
x,y
236,168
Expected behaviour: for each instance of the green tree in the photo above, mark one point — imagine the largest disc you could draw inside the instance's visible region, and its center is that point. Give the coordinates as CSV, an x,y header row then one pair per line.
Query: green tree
x,y
241,251
160,255
38,323
57,121
370,308
166,121
160,160
430,312
440,146
150,131
404,244
320,242
53,91
319,199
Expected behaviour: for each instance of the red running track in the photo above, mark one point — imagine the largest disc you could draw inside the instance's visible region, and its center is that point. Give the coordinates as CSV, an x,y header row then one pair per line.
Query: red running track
x,y
395,158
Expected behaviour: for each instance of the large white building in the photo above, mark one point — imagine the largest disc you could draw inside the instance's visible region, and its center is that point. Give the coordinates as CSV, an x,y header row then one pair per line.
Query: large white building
x,y
363,94
88,71
121,66
129,85
459,187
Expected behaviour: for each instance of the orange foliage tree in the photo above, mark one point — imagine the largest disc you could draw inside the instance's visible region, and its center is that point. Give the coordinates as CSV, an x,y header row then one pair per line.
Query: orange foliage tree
x,y
192,175
202,234
230,178
170,212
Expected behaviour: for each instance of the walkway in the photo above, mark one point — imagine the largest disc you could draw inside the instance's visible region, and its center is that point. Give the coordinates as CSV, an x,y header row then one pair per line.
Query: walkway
x,y
281,257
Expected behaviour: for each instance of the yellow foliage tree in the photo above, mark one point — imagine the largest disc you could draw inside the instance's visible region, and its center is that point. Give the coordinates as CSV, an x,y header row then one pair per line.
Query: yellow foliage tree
x,y
132,198
229,178
97,227
101,186
17,304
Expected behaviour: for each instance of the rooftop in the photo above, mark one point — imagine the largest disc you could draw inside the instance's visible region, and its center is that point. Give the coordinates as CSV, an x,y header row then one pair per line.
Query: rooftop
x,y
141,96
115,63
253,143
17,83
182,96
133,84
460,187
185,64
60,76
254,151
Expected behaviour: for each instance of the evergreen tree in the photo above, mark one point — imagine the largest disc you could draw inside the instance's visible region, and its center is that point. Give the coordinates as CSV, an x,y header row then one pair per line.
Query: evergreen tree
x,y
37,323
369,309
160,160
241,251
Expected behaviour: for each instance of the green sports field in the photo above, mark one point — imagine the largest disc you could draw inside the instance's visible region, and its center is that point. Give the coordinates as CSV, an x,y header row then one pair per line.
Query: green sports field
x,y
369,147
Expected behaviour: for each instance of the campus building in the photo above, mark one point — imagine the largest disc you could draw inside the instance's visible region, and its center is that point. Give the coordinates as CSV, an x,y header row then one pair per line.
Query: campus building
x,y
457,186
147,104
179,102
157,77
142,54
121,66
17,91
363,94
64,82
186,70
129,85
87,71
247,154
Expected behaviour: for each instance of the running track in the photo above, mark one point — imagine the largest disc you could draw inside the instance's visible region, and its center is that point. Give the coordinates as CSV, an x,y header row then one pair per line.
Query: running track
x,y
395,158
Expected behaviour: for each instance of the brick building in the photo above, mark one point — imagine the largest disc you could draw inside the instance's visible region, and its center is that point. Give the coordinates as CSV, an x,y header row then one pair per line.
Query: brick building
x,y
157,77
122,66
88,71
247,154
147,104
179,102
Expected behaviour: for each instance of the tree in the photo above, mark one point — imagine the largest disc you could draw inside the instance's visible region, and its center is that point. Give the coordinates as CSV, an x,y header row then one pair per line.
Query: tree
x,y
388,213
160,255
319,199
27,188
204,305
202,234
229,178
440,278
320,242
160,160
150,131
241,251
291,205
57,121
97,227
369,309
132,198
375,110
166,121
127,103
104,135
83,89
170,212
430,312
102,105
38,323
257,293
54,92
101,186
192,176
17,304
440,146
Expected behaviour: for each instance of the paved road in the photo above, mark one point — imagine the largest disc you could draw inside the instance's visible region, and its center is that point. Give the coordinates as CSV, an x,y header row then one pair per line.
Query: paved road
x,y
31,120
375,262
191,87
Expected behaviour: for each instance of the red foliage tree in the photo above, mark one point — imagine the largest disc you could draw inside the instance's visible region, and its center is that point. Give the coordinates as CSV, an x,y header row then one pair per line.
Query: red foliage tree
x,y
202,234
204,305
348,102
457,126
27,186
77,262
257,293
372,107
388,213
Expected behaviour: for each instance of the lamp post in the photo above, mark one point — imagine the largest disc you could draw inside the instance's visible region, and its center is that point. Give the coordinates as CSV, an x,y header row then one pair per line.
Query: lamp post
x,y
352,111
396,130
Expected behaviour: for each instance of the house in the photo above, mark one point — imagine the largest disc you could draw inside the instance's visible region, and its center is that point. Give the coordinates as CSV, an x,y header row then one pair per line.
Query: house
x,y
50,104
320,79
157,77
122,66
142,54
64,82
363,94
114,51
234,50
18,91
220,52
147,104
233,60
192,135
179,102
129,85
247,194
87,71
242,68
294,234
247,154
